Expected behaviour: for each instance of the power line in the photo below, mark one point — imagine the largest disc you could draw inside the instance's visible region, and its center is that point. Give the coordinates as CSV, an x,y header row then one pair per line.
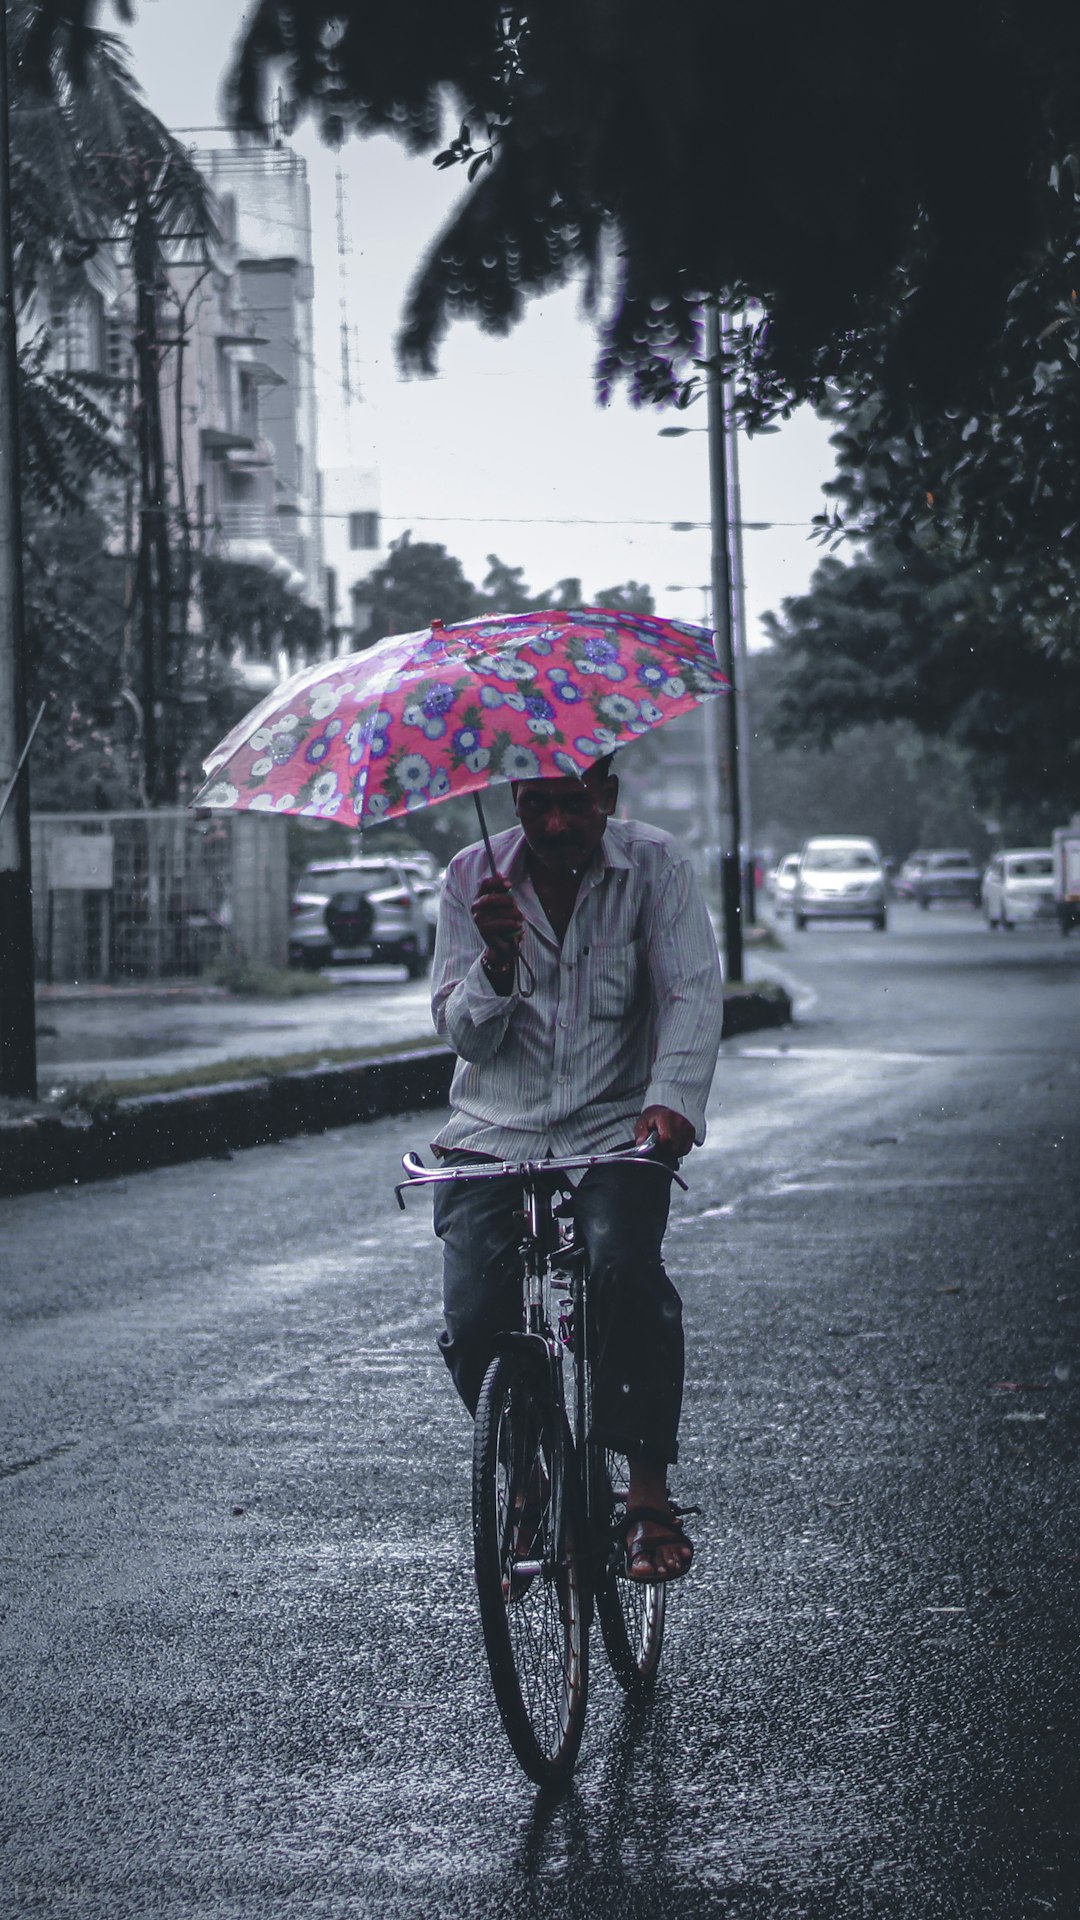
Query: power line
x,y
567,520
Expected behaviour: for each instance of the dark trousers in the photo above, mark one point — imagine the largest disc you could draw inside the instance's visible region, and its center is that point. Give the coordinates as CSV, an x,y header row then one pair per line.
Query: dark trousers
x,y
621,1214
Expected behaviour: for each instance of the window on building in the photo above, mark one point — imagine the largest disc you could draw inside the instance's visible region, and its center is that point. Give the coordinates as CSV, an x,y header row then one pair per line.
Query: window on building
x,y
363,531
361,611
248,408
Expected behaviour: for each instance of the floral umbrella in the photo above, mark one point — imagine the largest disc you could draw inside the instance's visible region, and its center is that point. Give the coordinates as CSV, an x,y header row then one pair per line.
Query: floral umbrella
x,y
422,716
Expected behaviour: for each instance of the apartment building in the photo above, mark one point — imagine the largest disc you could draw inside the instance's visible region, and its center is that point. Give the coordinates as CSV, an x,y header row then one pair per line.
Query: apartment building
x,y
352,546
266,208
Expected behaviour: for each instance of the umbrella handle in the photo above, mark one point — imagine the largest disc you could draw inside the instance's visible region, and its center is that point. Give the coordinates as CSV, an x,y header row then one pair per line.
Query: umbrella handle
x,y
495,874
526,978
523,973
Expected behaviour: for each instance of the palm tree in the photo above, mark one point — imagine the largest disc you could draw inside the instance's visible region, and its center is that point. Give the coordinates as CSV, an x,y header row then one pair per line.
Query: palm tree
x,y
93,169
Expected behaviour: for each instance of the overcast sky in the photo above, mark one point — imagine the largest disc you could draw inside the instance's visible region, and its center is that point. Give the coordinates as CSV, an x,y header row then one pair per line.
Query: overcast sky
x,y
506,450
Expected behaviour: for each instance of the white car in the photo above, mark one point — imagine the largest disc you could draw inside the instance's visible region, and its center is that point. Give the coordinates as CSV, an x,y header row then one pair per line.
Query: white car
x,y
1018,887
840,878
783,881
354,911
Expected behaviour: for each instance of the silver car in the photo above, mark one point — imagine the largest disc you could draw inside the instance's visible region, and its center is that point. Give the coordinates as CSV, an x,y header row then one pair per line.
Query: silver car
x,y
354,911
840,879
783,881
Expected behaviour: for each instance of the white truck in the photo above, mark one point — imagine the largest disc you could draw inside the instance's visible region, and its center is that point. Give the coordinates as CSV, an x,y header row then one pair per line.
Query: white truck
x,y
1066,844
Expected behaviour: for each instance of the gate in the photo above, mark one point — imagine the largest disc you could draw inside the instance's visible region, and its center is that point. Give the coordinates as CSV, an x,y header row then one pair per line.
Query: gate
x,y
155,895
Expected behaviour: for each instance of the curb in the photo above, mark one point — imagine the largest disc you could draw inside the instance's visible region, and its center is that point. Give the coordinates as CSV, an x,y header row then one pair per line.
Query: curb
x,y
165,1129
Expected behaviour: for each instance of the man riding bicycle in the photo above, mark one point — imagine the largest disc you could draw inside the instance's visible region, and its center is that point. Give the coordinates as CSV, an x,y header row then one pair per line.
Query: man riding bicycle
x,y
581,992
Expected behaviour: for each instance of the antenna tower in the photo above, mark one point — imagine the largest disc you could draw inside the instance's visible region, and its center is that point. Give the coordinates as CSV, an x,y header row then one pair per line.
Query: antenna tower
x,y
344,247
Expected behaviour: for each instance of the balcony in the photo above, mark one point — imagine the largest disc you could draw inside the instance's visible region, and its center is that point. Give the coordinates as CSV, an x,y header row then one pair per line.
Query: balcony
x,y
249,535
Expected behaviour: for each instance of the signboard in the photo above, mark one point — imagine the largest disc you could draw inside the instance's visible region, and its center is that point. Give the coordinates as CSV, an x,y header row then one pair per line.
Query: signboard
x,y
82,861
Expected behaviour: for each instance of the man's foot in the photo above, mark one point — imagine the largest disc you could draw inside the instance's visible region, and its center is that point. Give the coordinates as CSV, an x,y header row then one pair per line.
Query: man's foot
x,y
657,1546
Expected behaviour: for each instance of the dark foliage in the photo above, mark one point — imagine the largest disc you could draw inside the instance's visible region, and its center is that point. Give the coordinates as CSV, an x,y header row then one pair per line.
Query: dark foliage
x,y
83,754
85,152
873,177
908,635
420,581
886,198
881,777
247,610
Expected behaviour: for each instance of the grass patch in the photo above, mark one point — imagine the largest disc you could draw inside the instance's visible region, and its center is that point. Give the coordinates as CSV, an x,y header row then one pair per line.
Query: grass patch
x,y
98,1096
754,989
267,983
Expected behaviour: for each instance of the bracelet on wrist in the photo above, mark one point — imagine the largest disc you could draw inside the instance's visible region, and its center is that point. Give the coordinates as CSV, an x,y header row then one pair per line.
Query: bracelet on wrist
x,y
499,972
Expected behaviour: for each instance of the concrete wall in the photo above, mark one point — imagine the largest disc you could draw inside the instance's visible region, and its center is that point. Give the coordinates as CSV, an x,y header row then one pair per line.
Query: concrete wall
x,y
260,889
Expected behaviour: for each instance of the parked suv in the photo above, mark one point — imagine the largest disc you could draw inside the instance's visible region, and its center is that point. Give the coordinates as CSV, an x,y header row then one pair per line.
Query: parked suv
x,y
353,911
1019,885
948,873
840,879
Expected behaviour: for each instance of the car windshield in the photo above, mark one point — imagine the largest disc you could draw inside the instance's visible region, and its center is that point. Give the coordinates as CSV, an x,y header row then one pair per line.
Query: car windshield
x,y
839,860
941,862
1033,866
343,879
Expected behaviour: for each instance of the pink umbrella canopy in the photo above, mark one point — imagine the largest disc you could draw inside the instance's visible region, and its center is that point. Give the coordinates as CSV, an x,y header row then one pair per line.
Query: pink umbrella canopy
x,y
423,716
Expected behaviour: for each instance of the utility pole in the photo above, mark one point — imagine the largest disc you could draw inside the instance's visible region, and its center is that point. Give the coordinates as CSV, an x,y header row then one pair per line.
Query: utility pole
x,y
154,569
724,623
18,1047
738,603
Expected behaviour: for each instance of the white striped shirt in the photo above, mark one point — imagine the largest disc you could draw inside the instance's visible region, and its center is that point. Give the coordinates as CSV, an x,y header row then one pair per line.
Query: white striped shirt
x,y
626,1014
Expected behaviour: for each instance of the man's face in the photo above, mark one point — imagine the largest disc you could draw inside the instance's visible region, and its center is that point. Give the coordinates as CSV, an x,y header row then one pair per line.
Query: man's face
x,y
563,820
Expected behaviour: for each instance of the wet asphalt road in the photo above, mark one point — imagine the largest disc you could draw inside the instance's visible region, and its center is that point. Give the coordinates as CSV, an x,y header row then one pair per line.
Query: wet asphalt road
x,y
244,1673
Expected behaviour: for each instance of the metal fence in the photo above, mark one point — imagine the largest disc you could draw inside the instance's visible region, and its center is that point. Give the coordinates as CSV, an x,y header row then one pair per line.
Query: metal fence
x,y
152,896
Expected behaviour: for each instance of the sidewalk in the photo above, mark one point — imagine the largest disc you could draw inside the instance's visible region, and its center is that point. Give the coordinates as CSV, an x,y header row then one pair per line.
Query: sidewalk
x,y
239,1072
130,1034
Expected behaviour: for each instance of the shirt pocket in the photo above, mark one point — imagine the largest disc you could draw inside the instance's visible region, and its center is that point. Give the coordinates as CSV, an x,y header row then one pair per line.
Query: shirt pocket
x,y
613,977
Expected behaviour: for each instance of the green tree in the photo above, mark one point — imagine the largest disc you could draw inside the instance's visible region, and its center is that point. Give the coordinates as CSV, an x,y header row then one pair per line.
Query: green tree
x,y
594,132
87,158
881,777
910,636
419,581
904,241
84,754
93,169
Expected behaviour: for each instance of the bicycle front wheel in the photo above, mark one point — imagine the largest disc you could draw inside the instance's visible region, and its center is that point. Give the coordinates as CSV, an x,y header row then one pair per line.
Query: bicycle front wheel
x,y
530,1569
631,1611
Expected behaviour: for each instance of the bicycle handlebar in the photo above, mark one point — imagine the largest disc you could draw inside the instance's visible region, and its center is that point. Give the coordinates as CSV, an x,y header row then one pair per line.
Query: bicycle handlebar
x,y
417,1174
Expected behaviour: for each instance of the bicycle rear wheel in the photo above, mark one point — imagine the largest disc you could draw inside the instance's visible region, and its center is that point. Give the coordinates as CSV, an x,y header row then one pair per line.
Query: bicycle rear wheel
x,y
531,1573
631,1611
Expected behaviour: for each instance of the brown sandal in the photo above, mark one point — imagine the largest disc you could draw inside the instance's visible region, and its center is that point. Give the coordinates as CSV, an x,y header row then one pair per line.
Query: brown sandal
x,y
641,1554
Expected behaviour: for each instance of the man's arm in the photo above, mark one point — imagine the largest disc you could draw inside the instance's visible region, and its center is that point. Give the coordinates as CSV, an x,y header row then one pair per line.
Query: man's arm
x,y
473,984
688,995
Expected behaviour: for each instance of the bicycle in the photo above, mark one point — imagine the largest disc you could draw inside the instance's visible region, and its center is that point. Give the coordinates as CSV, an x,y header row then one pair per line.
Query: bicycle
x,y
548,1499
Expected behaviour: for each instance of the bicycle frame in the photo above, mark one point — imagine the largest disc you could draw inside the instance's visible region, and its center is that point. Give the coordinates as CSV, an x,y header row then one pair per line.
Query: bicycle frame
x,y
555,1308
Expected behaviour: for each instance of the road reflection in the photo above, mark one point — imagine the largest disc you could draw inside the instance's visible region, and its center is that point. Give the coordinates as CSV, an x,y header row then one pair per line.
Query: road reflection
x,y
620,1843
